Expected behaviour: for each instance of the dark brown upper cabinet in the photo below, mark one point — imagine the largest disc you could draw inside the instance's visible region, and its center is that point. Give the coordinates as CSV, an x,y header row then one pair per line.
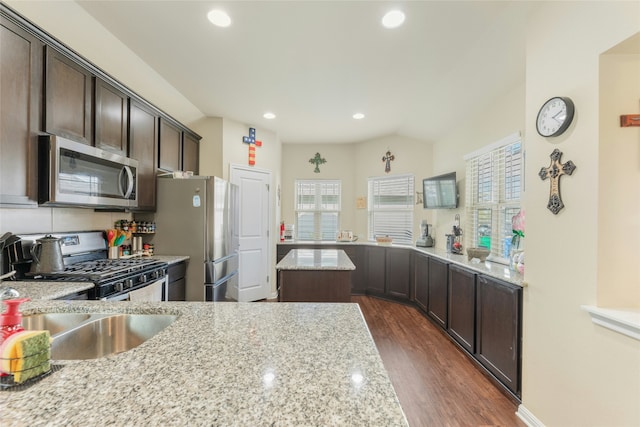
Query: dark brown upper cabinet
x,y
190,147
143,143
68,98
21,106
170,147
112,112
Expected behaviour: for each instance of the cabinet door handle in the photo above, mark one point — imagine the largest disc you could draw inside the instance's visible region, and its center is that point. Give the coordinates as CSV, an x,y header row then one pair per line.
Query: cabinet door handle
x,y
129,183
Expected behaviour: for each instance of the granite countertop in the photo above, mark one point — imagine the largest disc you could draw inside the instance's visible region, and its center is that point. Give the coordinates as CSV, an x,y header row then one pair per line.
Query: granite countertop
x,y
43,290
493,269
170,259
316,259
219,364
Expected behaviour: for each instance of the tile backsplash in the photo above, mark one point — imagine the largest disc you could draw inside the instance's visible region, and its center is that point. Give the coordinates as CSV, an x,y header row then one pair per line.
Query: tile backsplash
x,y
47,220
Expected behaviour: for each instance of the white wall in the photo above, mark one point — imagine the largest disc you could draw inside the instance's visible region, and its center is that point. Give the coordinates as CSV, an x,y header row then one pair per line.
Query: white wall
x,y
221,146
619,162
353,164
575,373
498,120
48,220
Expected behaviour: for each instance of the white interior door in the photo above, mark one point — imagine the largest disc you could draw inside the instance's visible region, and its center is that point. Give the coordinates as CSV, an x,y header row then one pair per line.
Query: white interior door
x,y
253,271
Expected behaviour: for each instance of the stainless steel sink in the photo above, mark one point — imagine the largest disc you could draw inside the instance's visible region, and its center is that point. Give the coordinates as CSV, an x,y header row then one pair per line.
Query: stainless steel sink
x,y
100,335
54,322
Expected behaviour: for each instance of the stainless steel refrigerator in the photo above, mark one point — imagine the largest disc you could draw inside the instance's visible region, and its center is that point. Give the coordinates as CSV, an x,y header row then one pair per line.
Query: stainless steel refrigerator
x,y
198,217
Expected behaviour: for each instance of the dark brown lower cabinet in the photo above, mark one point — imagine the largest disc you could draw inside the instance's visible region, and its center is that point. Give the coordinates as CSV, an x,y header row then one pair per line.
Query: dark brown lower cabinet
x,y
314,285
462,307
398,273
177,281
421,279
376,271
437,301
356,255
499,330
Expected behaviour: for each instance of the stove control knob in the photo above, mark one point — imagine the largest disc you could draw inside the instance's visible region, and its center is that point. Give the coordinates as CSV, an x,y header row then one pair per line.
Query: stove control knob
x,y
119,286
128,283
143,278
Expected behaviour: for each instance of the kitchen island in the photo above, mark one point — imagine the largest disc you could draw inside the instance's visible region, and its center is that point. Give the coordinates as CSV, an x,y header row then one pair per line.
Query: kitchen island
x,y
219,364
315,275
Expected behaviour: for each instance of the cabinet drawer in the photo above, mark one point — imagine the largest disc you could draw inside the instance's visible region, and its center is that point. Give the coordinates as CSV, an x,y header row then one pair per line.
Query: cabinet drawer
x,y
177,271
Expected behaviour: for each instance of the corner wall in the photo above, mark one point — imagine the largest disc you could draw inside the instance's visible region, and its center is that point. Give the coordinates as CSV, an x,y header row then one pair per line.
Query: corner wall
x,y
575,373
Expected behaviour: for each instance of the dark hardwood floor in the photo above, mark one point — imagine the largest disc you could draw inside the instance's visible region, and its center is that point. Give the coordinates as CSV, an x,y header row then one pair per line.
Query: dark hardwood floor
x,y
436,383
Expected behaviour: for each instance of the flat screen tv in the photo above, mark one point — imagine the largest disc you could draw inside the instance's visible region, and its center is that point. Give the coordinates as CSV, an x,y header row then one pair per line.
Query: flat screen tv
x,y
440,192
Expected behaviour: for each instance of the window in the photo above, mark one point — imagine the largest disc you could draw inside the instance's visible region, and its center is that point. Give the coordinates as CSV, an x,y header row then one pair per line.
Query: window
x,y
391,207
317,209
494,182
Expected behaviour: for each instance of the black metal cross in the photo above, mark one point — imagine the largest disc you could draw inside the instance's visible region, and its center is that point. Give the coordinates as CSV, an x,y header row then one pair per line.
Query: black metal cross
x,y
388,157
555,170
317,160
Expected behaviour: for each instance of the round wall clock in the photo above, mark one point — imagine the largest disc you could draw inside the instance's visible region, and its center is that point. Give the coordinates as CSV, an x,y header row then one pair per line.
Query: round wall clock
x,y
555,116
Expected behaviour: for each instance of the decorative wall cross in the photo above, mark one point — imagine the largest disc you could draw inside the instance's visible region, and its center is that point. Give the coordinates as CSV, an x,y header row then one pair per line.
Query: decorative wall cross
x,y
387,158
317,160
251,140
555,170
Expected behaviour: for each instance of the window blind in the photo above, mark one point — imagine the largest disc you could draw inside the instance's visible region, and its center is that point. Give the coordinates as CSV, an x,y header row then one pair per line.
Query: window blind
x,y
317,209
494,184
390,205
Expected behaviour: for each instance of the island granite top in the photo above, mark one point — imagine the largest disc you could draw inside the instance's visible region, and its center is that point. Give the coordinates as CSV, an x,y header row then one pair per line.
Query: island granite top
x,y
219,364
316,259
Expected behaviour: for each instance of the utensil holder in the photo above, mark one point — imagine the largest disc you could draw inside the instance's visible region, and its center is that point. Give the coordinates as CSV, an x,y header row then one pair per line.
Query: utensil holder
x,y
114,252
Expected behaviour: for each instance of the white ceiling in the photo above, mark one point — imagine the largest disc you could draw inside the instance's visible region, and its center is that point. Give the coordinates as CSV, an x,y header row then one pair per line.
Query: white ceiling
x,y
316,63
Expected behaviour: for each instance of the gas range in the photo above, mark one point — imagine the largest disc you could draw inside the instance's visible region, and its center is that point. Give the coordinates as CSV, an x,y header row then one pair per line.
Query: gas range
x,y
85,260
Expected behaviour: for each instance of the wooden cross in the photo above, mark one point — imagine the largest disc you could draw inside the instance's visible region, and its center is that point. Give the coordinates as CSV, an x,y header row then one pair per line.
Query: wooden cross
x,y
253,143
388,157
555,170
317,160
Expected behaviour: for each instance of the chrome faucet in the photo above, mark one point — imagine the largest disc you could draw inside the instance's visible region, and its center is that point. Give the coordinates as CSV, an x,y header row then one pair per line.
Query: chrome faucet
x,y
7,292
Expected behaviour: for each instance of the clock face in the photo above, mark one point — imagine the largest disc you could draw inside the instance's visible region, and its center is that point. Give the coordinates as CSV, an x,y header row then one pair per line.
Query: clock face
x,y
555,116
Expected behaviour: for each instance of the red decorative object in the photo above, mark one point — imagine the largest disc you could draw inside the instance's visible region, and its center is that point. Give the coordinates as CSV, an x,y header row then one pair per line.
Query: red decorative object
x,y
629,120
251,140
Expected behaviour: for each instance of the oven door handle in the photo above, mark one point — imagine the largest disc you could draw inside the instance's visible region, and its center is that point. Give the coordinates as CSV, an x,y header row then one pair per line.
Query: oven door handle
x,y
119,297
129,183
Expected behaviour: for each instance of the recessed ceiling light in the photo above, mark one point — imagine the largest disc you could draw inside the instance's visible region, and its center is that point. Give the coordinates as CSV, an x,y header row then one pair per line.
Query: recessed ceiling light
x,y
269,116
393,19
219,18
358,116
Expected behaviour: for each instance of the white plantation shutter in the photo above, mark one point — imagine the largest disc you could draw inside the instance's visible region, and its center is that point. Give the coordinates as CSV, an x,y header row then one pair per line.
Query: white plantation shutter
x,y
494,183
317,209
391,207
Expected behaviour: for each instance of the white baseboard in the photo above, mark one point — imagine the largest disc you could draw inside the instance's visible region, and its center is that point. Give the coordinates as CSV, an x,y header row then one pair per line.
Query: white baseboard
x,y
527,417
274,295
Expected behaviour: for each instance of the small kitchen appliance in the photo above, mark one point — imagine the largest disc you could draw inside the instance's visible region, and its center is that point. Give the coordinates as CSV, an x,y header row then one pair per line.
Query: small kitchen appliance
x,y
46,254
425,240
454,241
75,174
289,232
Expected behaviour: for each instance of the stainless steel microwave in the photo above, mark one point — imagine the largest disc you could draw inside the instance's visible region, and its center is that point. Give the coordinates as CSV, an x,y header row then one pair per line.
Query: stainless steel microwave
x,y
75,174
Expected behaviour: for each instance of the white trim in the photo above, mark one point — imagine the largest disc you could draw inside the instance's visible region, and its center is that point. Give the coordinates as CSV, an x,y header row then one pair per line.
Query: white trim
x,y
527,417
510,139
624,321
